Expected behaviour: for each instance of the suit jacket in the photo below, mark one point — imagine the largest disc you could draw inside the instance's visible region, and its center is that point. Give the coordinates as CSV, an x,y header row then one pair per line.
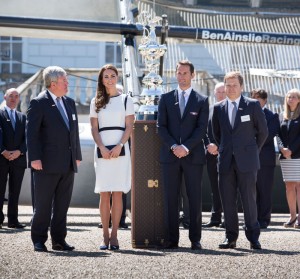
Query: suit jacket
x,y
48,137
267,154
209,137
290,137
13,139
188,130
244,140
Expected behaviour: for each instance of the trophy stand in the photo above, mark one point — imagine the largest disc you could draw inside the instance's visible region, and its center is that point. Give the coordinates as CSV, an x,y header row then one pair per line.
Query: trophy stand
x,y
147,202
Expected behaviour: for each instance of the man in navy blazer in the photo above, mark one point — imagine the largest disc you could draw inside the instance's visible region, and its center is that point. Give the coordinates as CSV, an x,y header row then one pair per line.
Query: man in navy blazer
x,y
240,130
211,164
182,125
267,158
13,156
54,154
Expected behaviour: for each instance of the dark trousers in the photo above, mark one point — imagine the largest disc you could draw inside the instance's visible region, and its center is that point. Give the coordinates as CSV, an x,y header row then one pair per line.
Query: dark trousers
x,y
216,209
245,182
184,203
264,187
15,175
52,196
172,177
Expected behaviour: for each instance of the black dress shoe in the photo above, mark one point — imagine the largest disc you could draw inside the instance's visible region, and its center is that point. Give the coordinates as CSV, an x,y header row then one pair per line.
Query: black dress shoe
x,y
186,225
255,245
222,225
263,225
16,225
211,224
40,247
123,225
196,245
0,225
171,245
62,246
226,244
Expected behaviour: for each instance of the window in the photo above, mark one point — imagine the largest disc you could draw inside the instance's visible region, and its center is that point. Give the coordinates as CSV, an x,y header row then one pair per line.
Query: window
x,y
113,54
10,57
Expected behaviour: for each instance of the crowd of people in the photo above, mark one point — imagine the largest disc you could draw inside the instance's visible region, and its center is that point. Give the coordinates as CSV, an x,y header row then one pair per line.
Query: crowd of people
x,y
234,137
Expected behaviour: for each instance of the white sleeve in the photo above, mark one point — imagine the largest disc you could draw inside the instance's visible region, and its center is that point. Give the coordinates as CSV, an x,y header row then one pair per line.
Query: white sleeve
x,y
129,106
93,112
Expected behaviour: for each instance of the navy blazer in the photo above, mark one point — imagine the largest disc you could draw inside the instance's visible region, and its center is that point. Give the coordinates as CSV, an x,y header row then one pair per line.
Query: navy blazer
x,y
267,154
209,137
48,137
290,137
13,139
188,130
244,140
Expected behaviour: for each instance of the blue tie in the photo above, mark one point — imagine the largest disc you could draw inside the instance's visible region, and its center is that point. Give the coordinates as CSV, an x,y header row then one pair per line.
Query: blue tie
x,y
62,112
234,110
182,103
12,119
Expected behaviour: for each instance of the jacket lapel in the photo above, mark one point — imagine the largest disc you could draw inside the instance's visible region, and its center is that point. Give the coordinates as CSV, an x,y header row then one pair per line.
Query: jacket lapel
x,y
225,116
242,106
69,111
176,102
190,101
54,108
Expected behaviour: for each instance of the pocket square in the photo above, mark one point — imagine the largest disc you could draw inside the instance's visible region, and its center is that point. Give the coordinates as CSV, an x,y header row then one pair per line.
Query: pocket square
x,y
193,113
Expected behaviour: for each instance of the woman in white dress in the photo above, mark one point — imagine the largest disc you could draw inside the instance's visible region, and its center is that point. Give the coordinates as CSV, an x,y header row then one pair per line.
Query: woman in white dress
x,y
111,117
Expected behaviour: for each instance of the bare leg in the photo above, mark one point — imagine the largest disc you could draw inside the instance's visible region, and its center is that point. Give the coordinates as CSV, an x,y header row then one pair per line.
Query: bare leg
x,y
298,200
291,199
116,212
104,206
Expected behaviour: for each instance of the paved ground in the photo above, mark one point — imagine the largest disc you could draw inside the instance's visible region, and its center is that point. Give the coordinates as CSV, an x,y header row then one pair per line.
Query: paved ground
x,y
280,257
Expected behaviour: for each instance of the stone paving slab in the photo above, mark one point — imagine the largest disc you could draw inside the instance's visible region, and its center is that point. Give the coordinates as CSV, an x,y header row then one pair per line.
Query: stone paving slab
x,y
279,258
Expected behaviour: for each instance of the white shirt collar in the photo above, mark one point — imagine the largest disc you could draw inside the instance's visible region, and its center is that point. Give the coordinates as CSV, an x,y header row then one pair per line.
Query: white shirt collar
x,y
8,109
237,101
187,91
53,96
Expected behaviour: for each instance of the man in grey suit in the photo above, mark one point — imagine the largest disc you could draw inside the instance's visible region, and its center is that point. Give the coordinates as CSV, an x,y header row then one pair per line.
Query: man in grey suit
x,y
240,130
54,154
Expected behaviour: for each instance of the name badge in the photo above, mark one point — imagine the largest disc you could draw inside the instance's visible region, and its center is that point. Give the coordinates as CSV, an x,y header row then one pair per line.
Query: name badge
x,y
74,117
245,118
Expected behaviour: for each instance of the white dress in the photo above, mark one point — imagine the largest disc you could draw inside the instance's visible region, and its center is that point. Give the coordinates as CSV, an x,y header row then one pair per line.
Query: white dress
x,y
113,174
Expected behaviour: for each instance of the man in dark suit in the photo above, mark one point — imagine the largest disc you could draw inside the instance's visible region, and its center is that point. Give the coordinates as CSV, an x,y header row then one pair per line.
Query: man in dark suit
x,y
182,125
267,158
13,156
240,130
211,164
54,154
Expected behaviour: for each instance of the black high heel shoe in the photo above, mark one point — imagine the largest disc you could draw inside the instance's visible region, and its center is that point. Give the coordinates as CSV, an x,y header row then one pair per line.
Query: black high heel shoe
x,y
290,224
103,246
114,247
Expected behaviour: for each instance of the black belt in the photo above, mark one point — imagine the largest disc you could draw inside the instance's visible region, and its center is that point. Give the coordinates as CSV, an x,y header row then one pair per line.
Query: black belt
x,y
111,128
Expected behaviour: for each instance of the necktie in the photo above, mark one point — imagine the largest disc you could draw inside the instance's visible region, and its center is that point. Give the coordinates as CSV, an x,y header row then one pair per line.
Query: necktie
x,y
12,119
182,103
62,112
234,110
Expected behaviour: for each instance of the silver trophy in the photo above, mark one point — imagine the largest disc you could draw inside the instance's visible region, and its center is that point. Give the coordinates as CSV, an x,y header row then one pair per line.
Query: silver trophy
x,y
152,82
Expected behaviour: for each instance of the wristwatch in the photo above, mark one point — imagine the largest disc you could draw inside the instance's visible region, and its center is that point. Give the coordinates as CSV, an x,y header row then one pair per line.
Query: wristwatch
x,y
120,143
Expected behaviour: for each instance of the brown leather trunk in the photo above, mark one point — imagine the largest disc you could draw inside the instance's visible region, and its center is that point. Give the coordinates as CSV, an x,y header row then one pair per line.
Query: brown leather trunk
x,y
147,210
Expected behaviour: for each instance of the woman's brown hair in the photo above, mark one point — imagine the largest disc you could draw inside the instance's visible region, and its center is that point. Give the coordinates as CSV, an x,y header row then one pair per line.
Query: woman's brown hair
x,y
102,98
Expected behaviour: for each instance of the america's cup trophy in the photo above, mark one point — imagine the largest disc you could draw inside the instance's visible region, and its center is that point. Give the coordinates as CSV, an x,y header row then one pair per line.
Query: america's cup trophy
x,y
152,82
